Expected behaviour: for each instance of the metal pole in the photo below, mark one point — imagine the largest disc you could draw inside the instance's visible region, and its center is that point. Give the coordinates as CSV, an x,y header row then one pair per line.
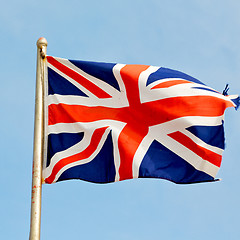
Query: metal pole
x,y
38,143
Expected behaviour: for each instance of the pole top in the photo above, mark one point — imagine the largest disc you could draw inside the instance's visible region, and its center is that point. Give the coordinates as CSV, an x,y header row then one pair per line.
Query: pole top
x,y
42,46
42,42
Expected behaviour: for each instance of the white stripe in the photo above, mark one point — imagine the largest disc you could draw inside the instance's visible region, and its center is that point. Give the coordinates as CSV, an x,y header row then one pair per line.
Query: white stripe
x,y
85,101
116,72
123,100
180,124
84,127
140,153
143,80
115,135
66,128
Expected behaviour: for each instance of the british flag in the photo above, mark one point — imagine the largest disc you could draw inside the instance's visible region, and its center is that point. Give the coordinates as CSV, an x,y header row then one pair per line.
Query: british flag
x,y
110,122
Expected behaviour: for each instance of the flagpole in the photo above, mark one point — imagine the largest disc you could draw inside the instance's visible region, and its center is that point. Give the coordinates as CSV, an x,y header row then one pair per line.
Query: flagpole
x,y
38,143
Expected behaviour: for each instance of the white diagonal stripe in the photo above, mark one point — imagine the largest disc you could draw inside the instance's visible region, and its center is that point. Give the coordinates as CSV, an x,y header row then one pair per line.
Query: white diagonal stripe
x,y
72,81
101,84
201,143
189,156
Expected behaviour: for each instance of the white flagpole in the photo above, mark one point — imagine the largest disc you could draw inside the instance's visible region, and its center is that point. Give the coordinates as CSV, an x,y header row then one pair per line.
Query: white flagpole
x,y
38,142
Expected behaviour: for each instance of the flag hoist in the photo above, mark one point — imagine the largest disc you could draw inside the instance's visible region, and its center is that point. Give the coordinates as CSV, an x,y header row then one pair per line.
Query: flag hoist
x,y
38,142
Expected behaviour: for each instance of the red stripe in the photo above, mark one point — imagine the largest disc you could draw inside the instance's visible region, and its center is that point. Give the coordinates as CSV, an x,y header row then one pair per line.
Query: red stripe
x,y
202,152
172,108
150,113
170,84
128,142
130,75
96,137
63,113
134,132
78,78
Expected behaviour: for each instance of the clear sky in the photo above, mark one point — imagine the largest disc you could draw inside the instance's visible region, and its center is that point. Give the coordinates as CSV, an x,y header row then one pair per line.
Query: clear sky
x,y
198,37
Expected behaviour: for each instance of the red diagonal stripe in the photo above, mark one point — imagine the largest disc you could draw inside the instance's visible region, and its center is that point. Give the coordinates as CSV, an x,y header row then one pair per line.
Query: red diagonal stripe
x,y
96,137
202,152
94,89
170,83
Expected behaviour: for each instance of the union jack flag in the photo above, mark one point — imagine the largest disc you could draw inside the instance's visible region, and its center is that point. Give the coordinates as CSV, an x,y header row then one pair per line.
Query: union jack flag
x,y
110,122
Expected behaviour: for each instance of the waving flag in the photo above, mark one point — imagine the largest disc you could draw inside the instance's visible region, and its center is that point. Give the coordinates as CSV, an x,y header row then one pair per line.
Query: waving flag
x,y
111,122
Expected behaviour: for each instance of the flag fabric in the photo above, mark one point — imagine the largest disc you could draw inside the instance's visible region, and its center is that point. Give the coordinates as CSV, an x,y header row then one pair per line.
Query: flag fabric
x,y
110,122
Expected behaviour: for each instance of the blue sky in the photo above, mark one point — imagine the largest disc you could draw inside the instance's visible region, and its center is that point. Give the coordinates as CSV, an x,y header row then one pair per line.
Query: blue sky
x,y
198,37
